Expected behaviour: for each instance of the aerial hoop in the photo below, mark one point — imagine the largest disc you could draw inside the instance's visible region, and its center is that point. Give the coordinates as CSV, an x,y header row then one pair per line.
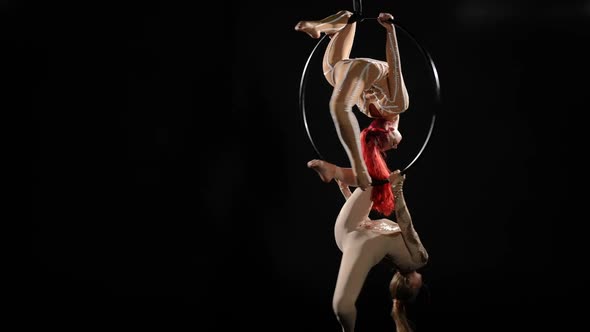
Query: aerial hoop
x,y
432,68
302,97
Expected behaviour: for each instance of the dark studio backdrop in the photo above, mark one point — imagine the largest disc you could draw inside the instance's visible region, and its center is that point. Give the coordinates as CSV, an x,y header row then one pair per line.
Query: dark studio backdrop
x,y
169,165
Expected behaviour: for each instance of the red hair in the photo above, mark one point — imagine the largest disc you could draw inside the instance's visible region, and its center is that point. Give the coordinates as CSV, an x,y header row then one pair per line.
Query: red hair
x,y
373,138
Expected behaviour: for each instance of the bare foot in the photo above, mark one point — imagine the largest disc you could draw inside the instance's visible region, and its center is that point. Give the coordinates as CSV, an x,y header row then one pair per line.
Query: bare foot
x,y
325,169
309,28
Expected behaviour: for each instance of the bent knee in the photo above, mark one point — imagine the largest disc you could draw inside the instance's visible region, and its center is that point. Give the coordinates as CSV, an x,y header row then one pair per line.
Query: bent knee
x,y
424,258
405,105
343,308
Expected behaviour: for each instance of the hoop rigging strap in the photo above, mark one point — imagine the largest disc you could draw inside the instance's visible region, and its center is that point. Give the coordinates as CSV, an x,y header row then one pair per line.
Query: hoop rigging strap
x,y
423,51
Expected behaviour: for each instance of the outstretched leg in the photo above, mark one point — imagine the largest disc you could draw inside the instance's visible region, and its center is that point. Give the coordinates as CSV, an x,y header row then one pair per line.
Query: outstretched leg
x,y
398,94
328,171
354,269
353,212
355,78
341,34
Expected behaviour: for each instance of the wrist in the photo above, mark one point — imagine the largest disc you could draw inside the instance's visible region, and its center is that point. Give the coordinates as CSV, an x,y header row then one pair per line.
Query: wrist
x,y
397,190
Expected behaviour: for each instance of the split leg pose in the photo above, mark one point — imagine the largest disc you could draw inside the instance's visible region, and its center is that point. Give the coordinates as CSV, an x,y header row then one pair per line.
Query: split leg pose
x,y
376,87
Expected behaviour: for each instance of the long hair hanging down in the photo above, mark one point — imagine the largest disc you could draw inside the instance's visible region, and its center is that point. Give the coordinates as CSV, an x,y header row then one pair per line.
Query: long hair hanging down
x,y
372,139
402,294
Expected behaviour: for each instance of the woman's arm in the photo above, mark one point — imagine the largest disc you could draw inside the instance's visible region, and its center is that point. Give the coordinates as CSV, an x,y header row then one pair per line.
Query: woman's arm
x,y
395,80
344,96
404,220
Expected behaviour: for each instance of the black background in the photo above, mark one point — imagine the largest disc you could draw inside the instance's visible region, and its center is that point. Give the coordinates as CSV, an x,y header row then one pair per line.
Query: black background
x,y
169,184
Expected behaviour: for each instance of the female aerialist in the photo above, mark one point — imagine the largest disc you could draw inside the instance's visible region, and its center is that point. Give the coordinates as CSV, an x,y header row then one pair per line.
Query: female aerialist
x,y
376,87
365,242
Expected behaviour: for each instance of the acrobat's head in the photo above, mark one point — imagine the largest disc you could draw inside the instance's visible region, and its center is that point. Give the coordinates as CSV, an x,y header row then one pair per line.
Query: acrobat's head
x,y
405,287
383,134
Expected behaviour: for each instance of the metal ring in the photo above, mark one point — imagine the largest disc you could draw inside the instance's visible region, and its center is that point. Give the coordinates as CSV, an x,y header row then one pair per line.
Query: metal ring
x,y
435,79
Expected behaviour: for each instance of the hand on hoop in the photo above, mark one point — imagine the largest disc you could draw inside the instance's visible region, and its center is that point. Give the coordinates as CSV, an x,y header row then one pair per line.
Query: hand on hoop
x,y
386,20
